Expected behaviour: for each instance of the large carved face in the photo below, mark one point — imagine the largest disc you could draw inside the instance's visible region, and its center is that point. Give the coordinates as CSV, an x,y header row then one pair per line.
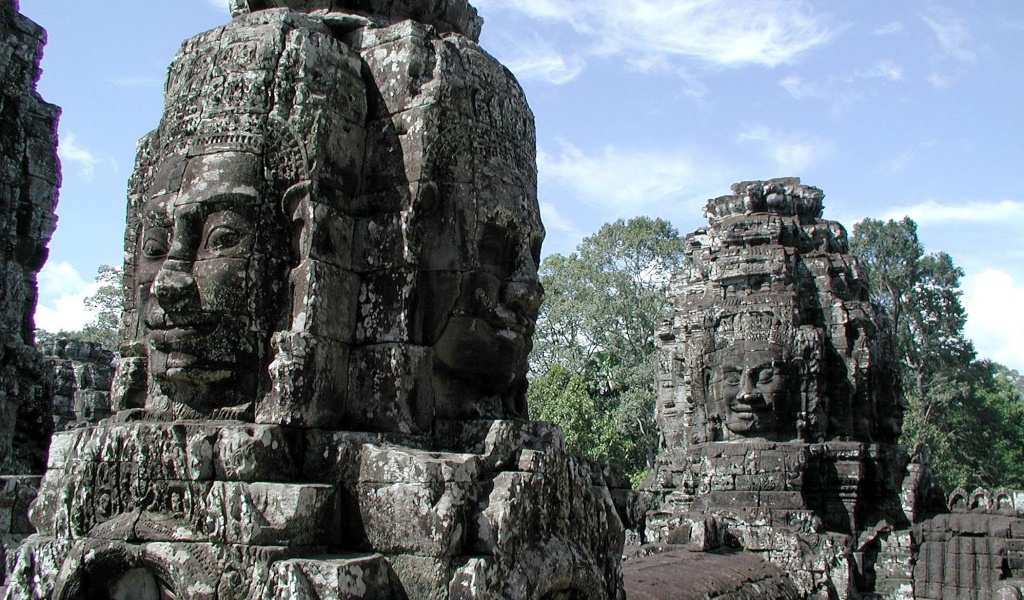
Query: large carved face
x,y
202,274
489,334
746,384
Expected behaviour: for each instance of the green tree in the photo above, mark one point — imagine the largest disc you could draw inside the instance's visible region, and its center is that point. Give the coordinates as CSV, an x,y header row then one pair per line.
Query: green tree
x,y
602,306
968,412
107,304
921,293
106,301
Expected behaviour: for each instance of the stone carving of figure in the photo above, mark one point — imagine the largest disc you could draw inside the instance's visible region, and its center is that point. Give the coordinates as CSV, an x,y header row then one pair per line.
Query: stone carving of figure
x,y
488,335
206,278
748,388
276,275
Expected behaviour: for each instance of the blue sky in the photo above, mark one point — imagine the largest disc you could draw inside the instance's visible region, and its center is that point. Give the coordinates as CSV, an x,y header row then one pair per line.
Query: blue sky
x,y
648,107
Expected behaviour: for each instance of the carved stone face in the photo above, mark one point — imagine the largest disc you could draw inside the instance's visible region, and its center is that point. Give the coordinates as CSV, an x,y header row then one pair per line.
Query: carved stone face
x,y
489,335
200,276
747,386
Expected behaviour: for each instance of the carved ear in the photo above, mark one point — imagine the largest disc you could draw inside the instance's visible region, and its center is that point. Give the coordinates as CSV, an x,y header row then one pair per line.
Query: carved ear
x,y
293,196
295,206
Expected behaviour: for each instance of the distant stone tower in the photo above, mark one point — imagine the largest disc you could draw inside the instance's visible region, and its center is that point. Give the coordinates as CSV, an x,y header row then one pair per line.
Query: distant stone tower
x,y
778,397
331,288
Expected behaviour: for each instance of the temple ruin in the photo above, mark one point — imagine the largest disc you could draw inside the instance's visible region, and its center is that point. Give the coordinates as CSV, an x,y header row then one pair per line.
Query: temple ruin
x,y
330,291
780,409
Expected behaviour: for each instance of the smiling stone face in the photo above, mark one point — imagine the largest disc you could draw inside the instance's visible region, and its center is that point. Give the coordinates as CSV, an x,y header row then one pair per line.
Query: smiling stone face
x,y
203,266
747,388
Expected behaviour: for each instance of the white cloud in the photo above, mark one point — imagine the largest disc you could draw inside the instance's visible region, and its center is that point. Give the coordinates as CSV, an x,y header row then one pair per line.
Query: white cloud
x,y
994,320
800,89
721,32
842,89
933,213
890,28
621,181
955,46
69,151
555,220
883,69
953,35
66,310
792,153
540,62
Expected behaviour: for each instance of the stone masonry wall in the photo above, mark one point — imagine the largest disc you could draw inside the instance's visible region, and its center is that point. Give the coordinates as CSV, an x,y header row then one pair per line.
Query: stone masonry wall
x,y
81,376
29,177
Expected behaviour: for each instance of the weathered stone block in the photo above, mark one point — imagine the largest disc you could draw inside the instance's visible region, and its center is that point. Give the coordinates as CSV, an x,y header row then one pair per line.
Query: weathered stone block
x,y
326,233
390,389
255,453
310,382
325,302
415,502
366,577
423,577
272,514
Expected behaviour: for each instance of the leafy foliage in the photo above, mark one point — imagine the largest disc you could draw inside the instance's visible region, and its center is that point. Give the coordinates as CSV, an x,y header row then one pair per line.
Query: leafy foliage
x,y
106,301
595,334
968,412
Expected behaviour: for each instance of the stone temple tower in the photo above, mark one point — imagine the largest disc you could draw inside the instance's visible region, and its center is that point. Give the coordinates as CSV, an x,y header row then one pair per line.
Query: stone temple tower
x,y
330,292
778,398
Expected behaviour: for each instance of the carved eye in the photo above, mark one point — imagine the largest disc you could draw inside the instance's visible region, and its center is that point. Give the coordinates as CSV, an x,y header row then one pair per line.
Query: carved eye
x,y
223,238
766,376
154,245
731,378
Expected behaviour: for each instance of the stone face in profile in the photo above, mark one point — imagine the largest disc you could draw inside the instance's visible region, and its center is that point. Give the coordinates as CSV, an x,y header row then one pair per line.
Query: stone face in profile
x,y
488,335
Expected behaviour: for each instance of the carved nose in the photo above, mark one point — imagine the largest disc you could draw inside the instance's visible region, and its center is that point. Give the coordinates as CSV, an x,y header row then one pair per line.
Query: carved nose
x,y
523,296
174,284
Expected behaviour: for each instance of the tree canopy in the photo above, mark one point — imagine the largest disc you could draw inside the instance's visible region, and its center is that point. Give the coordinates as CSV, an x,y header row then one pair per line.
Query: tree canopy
x,y
106,302
594,349
967,411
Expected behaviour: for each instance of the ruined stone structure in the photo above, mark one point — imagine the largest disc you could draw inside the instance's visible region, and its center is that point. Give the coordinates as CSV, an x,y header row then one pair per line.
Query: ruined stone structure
x,y
778,398
974,550
780,409
331,286
29,178
81,376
